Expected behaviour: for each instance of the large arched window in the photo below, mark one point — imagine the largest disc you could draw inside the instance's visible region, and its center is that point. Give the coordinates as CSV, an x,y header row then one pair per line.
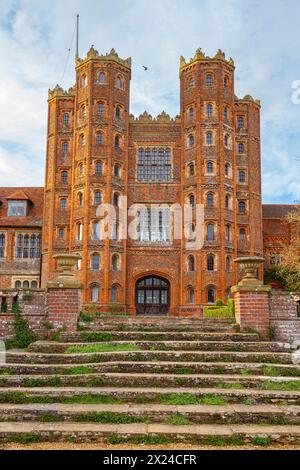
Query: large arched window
x,y
210,263
210,232
191,264
95,262
210,200
154,164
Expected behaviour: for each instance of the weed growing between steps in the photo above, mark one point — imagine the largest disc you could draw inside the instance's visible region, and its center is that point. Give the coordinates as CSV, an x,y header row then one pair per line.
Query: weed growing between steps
x,y
112,418
190,399
290,385
23,335
101,348
79,370
280,372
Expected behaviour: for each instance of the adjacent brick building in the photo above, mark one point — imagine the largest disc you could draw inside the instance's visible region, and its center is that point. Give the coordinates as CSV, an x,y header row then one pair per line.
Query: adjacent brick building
x,y
98,153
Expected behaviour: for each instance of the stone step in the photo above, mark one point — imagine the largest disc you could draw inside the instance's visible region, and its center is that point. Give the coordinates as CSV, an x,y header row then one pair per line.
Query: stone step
x,y
193,414
92,336
156,319
142,356
158,327
147,395
53,347
151,380
181,368
159,433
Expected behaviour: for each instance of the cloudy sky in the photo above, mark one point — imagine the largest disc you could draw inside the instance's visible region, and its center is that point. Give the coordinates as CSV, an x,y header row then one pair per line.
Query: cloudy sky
x,y
261,35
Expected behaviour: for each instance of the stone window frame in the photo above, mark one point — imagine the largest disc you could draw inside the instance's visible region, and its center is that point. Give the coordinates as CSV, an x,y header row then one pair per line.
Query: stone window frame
x,y
27,249
93,256
3,244
93,286
191,263
148,152
115,258
21,279
211,265
213,289
190,295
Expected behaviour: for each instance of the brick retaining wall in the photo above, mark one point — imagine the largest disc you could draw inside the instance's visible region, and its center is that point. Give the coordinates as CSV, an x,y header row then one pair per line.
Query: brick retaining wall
x,y
283,315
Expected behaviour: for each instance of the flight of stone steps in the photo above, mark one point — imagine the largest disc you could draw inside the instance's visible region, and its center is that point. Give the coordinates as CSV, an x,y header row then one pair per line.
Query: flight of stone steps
x,y
152,381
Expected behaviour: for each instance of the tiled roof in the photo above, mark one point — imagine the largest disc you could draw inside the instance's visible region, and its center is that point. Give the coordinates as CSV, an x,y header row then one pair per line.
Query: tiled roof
x,y
35,198
278,211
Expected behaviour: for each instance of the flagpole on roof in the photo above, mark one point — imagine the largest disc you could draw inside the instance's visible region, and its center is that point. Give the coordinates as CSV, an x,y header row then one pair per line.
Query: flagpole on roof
x,y
77,38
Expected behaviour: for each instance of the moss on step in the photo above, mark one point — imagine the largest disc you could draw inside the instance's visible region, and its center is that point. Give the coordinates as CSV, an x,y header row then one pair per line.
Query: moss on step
x,y
79,370
109,417
290,385
101,348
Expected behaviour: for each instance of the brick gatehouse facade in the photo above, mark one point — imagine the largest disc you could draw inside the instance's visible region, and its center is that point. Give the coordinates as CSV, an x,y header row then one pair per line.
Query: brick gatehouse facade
x,y
98,153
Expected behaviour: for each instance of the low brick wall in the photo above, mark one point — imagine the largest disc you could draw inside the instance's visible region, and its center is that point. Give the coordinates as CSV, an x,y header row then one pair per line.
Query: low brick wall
x,y
41,308
283,315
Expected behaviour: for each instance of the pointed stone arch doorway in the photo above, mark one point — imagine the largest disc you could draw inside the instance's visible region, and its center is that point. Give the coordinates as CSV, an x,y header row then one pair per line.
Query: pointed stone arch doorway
x,y
152,296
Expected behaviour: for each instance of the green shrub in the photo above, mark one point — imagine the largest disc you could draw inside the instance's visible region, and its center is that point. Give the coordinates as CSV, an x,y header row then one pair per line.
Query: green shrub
x,y
219,303
85,317
4,305
23,336
231,307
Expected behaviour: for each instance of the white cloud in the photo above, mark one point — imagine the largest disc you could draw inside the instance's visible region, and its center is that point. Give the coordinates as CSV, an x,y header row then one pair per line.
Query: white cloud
x,y
262,37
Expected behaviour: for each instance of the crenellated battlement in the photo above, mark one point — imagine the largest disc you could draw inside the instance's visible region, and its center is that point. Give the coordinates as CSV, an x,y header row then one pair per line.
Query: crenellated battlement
x,y
111,56
200,56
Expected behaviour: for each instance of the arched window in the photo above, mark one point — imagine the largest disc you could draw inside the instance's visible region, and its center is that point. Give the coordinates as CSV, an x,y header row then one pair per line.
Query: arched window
x,y
240,122
78,263
242,234
228,264
227,232
242,177
81,169
95,293
83,81
209,138
241,148
118,83
66,119
2,245
118,112
65,148
225,81
191,82
95,262
79,231
115,293
210,263
227,201
191,113
100,109
117,170
226,114
242,207
210,200
64,177
26,285
96,231
98,168
83,112
191,264
210,295
116,200
191,168
97,198
101,78
227,169
226,140
191,140
61,233
18,284
210,167
210,232
192,200
209,79
34,285
117,141
82,140
99,138
191,295
115,262
209,110
80,199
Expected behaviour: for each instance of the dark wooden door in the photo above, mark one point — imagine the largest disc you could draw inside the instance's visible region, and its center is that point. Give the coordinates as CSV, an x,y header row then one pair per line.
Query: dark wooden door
x,y
152,296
